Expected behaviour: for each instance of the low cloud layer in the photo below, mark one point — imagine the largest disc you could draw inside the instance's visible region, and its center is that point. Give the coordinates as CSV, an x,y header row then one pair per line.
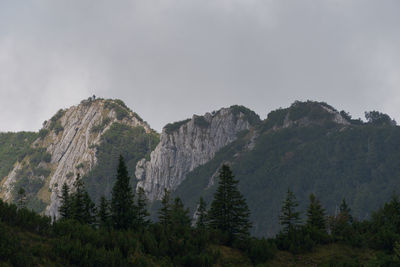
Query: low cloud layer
x,y
170,59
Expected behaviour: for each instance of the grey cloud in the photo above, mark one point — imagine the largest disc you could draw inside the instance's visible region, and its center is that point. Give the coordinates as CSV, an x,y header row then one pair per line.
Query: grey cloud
x,y
170,59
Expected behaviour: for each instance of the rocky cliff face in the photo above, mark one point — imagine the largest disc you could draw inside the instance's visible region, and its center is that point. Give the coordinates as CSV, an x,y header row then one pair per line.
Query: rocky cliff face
x,y
185,145
70,140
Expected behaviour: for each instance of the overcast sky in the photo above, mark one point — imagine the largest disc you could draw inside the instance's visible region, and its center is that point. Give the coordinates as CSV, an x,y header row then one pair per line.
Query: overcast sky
x,y
169,59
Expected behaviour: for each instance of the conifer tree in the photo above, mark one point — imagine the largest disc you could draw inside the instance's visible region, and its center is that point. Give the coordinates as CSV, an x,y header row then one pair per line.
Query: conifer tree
x,y
142,214
289,218
345,211
65,207
164,214
103,214
229,212
122,201
201,214
316,214
179,215
82,207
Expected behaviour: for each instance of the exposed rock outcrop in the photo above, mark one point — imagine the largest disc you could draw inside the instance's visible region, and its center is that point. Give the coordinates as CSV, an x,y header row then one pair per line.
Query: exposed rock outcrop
x,y
185,145
70,137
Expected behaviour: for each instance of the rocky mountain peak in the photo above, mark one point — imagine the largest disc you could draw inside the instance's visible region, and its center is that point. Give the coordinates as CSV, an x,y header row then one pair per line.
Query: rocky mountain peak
x,y
65,147
187,144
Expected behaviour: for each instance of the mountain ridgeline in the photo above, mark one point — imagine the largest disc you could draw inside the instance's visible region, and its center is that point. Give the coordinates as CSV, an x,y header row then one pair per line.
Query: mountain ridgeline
x,y
309,147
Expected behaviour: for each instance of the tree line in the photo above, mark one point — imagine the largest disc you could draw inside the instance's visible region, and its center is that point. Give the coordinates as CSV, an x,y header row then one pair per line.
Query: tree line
x,y
118,231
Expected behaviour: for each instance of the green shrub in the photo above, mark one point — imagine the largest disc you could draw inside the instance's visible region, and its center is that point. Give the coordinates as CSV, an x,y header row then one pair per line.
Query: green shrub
x,y
41,172
80,165
172,127
100,127
201,122
43,133
121,110
39,155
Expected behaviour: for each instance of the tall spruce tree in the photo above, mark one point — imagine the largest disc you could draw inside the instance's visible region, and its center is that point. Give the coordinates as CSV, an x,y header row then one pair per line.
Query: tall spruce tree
x,y
289,217
345,211
65,207
82,207
122,201
201,214
316,214
164,214
179,215
229,212
103,215
142,214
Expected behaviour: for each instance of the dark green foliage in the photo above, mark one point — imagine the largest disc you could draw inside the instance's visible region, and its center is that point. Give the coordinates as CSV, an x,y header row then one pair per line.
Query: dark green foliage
x,y
260,250
100,127
310,109
164,214
172,127
82,208
385,225
357,162
141,213
378,118
316,214
121,110
289,218
13,147
340,223
55,124
58,115
132,143
122,201
104,215
39,155
41,172
65,209
43,133
249,115
202,217
201,122
80,166
229,212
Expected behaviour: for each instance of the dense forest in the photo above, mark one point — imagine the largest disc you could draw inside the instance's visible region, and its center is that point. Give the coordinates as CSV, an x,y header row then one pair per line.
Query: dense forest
x,y
118,232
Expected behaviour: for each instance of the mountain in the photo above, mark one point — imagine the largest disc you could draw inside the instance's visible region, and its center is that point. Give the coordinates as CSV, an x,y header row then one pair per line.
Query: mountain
x,y
190,143
70,143
309,147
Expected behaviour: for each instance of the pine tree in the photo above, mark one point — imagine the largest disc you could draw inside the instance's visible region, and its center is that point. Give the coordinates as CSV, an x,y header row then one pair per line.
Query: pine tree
x,y
103,214
142,214
82,207
289,218
89,214
316,214
201,214
229,212
179,215
122,201
164,214
65,207
345,211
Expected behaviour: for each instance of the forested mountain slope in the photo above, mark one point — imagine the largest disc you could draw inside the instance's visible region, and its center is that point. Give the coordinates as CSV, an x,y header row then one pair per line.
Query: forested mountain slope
x,y
309,148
